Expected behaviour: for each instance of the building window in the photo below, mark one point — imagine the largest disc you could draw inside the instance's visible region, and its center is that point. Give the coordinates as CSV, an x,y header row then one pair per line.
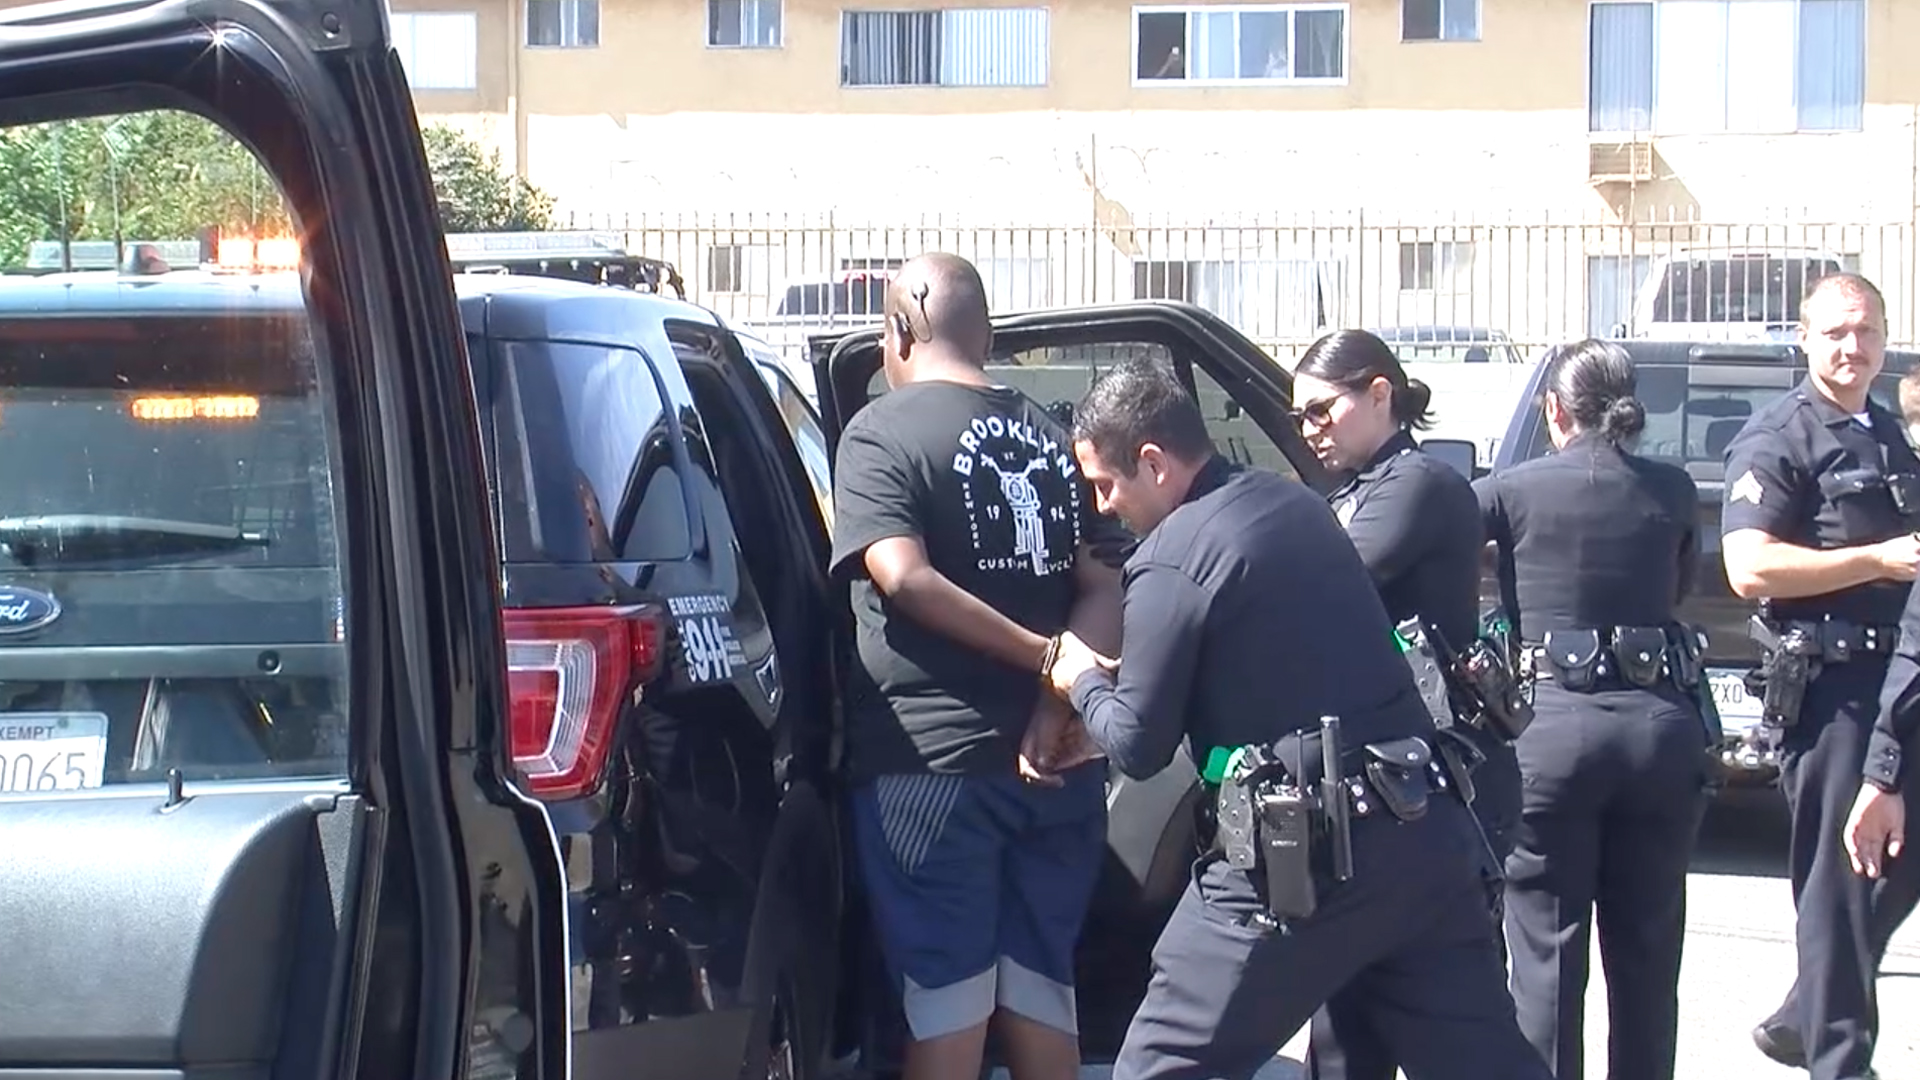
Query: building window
x,y
1282,43
726,268
743,24
1442,266
563,24
1723,75
954,47
1440,20
440,50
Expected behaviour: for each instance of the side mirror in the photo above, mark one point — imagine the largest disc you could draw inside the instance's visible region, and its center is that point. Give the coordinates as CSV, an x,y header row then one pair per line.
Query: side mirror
x,y
1459,453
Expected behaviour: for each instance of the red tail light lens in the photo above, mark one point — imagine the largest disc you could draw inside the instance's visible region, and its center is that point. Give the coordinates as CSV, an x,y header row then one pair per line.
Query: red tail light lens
x,y
568,671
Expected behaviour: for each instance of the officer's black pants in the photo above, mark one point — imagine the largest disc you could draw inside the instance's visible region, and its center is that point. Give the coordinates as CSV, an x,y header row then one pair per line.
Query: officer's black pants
x,y
1343,1046
1614,790
1410,929
1843,920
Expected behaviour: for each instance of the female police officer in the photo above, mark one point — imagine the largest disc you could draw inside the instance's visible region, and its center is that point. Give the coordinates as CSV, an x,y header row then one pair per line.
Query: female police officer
x,y
1596,547
1417,527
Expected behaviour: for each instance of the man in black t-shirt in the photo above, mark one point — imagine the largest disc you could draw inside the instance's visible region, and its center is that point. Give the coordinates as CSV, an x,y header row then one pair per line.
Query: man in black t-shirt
x,y
966,531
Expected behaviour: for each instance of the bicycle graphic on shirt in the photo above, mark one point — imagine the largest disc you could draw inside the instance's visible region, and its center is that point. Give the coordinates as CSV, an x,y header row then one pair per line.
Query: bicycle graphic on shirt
x,y
1023,501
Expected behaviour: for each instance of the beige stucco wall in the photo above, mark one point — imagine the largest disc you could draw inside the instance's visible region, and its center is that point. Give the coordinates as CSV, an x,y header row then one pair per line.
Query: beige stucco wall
x,y
653,121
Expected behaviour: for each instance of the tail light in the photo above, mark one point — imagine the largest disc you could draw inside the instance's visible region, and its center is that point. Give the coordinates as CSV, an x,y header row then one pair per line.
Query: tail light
x,y
568,671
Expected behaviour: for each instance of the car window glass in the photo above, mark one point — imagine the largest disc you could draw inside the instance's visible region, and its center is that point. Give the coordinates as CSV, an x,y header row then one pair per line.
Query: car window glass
x,y
1235,435
171,565
1692,424
585,452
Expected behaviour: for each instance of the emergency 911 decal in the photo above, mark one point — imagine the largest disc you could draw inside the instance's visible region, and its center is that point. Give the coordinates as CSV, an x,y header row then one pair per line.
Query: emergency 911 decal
x,y
706,637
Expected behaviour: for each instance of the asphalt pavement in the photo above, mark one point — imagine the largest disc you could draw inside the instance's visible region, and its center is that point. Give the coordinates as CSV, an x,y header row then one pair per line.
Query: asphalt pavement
x,y
1739,961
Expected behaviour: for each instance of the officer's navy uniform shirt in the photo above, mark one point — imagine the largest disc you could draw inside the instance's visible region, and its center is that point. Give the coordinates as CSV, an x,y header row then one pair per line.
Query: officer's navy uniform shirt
x,y
1591,537
1248,615
1416,524
1774,470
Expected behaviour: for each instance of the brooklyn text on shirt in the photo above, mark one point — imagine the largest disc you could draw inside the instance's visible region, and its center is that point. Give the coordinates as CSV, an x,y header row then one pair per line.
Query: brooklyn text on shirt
x,y
1745,489
1019,484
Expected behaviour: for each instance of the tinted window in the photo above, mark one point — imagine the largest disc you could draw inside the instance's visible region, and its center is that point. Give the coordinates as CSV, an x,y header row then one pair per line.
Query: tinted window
x,y
808,438
586,464
1693,424
859,296
1735,290
171,572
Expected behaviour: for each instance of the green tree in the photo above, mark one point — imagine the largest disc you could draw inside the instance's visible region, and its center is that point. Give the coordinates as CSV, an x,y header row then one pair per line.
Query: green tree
x,y
475,193
142,176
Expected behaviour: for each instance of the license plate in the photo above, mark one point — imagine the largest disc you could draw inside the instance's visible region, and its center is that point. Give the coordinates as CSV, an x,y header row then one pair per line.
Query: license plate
x,y
1739,710
52,751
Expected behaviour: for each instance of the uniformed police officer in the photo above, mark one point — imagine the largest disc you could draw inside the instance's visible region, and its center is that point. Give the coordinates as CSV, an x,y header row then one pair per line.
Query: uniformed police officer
x,y
1248,618
1818,523
1596,546
1416,524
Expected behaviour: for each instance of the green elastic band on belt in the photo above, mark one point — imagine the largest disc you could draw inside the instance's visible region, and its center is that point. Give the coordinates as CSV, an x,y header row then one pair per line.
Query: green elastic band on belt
x,y
1401,641
1220,761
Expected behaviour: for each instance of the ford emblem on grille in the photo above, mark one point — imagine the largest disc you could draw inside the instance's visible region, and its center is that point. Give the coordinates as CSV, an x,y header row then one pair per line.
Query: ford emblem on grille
x,y
22,610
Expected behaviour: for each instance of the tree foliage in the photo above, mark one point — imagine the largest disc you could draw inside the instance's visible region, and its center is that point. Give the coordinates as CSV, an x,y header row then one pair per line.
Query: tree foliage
x,y
143,176
167,175
475,193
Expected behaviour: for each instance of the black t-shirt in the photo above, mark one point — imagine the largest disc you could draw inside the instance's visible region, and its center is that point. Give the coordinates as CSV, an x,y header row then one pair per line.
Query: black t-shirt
x,y
988,482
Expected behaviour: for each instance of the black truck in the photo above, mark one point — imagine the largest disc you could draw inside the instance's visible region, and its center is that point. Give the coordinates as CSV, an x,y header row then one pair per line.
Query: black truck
x,y
1697,396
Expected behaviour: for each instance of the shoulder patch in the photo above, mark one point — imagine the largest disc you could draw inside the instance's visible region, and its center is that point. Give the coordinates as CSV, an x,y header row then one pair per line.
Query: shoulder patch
x,y
1746,489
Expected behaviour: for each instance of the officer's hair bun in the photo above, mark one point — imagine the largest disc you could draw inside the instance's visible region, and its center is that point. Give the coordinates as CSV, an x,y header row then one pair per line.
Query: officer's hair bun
x,y
1624,419
1412,403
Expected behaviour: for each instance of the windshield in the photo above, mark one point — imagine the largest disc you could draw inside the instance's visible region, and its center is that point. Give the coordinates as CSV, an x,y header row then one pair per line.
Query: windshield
x,y
196,419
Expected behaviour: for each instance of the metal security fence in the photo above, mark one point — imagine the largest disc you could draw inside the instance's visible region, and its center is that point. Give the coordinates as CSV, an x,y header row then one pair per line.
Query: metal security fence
x,y
1535,280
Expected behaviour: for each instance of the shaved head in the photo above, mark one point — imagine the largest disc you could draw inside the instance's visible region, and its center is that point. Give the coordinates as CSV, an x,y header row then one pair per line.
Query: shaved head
x,y
944,305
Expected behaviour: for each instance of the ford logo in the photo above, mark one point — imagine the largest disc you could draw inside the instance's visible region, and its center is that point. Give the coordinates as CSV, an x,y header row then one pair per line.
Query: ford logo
x,y
22,610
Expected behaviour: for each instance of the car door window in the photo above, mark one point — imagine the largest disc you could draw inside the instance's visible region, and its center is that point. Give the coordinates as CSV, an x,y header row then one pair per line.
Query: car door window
x,y
1235,435
171,555
585,419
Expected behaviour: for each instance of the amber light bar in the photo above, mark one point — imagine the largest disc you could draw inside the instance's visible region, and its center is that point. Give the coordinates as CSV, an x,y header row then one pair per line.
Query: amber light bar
x,y
224,407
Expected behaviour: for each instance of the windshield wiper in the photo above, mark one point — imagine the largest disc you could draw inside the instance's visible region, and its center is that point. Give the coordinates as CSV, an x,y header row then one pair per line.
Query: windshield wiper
x,y
101,536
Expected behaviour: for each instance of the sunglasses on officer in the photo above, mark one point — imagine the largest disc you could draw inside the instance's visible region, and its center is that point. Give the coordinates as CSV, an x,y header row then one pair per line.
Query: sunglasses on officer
x,y
1319,412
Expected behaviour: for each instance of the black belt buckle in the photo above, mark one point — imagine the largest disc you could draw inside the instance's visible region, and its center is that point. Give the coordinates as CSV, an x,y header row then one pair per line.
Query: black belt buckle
x,y
1397,771
1575,657
1641,652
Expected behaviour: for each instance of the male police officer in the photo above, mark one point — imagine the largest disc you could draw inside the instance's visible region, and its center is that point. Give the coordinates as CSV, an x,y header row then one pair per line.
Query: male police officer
x,y
1818,520
1248,618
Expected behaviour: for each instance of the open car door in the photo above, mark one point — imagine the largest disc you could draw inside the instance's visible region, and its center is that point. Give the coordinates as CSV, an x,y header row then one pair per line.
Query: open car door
x,y
1245,395
253,780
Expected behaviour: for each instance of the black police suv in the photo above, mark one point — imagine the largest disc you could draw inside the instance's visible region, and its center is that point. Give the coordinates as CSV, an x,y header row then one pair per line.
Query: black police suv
x,y
1697,396
260,813
659,543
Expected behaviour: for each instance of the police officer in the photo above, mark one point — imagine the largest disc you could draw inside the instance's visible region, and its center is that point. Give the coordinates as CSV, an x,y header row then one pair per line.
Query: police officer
x,y
1596,546
1417,527
1818,524
1248,618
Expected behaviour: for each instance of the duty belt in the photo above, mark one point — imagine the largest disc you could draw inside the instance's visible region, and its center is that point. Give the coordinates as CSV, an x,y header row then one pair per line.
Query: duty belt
x,y
1635,656
1793,652
1278,805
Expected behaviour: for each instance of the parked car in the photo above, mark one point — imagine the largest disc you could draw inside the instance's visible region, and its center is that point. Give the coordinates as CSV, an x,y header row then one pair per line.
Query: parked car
x,y
1450,344
1697,396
